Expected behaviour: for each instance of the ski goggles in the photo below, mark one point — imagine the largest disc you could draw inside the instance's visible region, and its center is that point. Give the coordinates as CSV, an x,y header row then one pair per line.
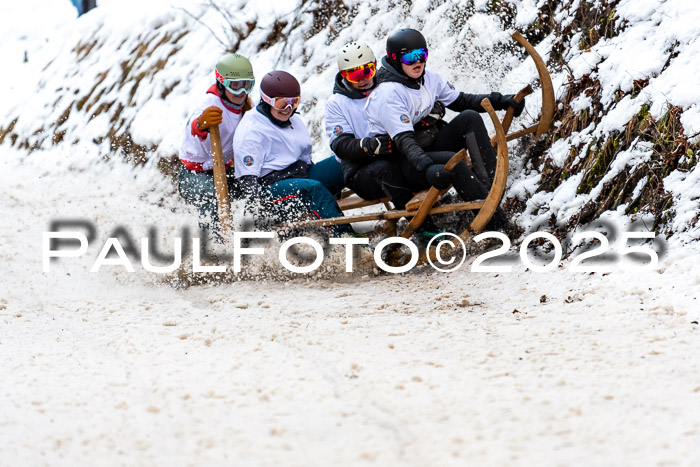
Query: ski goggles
x,y
280,103
412,56
236,86
239,86
357,74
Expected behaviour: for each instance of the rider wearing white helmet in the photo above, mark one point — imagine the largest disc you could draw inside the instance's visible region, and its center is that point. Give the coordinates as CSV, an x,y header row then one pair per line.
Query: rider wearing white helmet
x,y
367,163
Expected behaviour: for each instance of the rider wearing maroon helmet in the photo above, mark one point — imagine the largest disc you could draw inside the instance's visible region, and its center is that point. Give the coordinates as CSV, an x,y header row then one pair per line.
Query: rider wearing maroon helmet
x,y
273,157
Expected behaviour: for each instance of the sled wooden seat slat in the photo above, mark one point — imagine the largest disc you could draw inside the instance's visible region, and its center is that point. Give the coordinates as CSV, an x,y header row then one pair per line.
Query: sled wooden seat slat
x,y
388,215
354,202
417,200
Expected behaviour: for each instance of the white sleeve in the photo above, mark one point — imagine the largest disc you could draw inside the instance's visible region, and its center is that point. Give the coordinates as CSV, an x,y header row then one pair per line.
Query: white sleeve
x,y
389,112
336,122
251,147
446,92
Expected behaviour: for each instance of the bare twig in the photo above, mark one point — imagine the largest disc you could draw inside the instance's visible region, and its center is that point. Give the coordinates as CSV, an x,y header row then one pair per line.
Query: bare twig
x,y
299,11
227,17
203,24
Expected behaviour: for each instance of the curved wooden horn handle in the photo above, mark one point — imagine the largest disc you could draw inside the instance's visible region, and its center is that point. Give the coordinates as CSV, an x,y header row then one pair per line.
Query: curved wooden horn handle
x,y
499,181
508,118
546,81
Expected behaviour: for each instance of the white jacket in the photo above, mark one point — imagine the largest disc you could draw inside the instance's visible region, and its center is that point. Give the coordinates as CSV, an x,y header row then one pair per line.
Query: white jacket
x,y
195,151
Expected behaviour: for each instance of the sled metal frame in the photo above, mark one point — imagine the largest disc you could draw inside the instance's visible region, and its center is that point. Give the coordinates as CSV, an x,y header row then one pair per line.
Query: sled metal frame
x,y
422,204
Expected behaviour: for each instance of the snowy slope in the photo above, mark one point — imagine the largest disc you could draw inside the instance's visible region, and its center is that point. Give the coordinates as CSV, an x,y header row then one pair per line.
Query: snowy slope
x,y
424,369
648,66
515,368
126,76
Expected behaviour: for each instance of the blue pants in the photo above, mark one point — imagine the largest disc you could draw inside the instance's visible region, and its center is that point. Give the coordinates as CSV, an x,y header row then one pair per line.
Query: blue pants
x,y
297,196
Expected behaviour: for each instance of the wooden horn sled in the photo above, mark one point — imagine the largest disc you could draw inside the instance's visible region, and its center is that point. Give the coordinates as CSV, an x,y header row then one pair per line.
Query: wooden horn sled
x,y
423,203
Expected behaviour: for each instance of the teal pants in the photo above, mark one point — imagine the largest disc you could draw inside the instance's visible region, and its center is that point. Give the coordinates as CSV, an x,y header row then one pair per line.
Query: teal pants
x,y
197,189
297,196
328,172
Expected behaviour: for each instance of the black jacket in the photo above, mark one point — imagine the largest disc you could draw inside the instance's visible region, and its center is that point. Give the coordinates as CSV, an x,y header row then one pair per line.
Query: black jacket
x,y
387,73
347,145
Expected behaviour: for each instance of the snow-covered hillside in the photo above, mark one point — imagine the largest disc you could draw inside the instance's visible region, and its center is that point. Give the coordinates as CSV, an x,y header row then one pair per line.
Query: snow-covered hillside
x,y
425,368
123,79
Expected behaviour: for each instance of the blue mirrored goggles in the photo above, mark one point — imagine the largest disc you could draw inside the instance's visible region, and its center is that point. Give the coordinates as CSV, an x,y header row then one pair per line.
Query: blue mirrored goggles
x,y
412,56
239,86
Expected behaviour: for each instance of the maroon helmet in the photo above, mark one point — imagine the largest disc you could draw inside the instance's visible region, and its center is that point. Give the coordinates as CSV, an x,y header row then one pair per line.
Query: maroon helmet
x,y
280,84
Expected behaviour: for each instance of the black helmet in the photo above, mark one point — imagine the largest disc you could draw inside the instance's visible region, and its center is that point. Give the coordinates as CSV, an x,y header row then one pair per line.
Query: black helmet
x,y
280,84
401,41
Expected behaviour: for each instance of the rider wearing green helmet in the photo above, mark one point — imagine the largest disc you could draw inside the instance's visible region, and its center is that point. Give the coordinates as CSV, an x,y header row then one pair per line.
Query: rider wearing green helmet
x,y
225,103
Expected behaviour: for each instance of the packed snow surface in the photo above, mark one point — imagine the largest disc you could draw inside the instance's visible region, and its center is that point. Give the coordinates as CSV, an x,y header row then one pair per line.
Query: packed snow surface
x,y
425,368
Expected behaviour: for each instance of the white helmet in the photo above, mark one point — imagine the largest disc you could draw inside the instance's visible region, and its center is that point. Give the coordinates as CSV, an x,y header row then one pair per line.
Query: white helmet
x,y
355,54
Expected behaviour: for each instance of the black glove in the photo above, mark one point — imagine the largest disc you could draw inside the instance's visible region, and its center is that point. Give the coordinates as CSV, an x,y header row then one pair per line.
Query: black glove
x,y
438,110
377,146
501,102
438,177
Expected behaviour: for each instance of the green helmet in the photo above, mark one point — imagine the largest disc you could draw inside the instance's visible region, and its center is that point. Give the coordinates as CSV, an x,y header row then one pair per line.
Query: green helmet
x,y
235,73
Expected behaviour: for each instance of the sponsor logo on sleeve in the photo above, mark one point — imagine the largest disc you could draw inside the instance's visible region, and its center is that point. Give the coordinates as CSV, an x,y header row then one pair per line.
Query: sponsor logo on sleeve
x,y
248,161
338,130
450,85
404,118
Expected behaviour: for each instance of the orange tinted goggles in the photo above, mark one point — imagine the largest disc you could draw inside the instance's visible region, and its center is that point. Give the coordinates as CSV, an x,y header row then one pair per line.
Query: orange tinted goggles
x,y
357,74
281,103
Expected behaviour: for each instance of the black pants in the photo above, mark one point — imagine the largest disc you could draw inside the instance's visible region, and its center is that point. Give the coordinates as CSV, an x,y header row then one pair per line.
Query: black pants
x,y
467,184
451,138
457,134
398,179
381,178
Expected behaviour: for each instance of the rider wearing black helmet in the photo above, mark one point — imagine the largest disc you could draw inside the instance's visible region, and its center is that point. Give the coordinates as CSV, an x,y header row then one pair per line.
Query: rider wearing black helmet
x,y
408,105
